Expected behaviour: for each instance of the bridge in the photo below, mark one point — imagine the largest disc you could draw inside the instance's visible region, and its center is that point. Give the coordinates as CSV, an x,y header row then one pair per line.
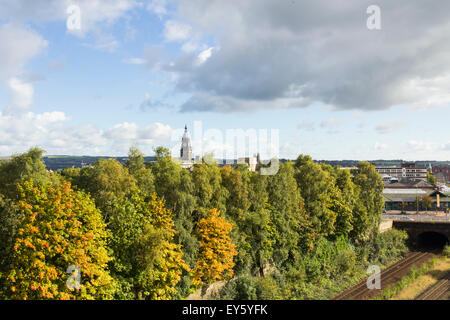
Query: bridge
x,y
425,234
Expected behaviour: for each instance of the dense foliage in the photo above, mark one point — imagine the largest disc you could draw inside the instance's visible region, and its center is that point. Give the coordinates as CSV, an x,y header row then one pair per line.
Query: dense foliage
x,y
156,231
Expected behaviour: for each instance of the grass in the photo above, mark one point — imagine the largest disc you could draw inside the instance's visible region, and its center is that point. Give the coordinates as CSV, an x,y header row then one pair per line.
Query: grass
x,y
424,281
393,290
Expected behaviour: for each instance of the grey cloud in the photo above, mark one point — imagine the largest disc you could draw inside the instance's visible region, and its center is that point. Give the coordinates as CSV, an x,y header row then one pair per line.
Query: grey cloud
x,y
152,104
322,49
388,127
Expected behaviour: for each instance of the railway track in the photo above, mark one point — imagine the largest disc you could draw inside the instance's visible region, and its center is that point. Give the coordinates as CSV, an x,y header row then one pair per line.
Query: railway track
x,y
437,291
389,276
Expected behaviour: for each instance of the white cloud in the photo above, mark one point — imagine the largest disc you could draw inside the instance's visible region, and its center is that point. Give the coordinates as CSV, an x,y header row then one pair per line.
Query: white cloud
x,y
159,7
52,132
205,55
176,31
135,61
18,45
96,16
189,47
93,12
22,93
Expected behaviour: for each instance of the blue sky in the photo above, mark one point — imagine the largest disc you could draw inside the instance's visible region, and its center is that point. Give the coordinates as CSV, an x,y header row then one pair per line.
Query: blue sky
x,y
138,71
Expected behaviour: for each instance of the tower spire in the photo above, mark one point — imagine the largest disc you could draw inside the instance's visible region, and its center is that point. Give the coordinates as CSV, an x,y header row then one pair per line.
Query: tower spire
x,y
186,148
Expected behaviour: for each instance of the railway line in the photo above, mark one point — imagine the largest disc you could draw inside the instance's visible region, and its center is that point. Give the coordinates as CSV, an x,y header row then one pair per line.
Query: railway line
x,y
389,276
440,290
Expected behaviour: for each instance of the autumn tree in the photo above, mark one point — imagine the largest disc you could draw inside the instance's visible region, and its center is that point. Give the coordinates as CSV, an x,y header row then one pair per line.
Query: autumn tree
x,y
58,228
216,251
426,202
161,259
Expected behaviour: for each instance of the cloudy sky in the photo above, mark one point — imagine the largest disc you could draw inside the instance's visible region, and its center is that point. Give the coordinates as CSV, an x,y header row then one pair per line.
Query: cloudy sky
x,y
137,71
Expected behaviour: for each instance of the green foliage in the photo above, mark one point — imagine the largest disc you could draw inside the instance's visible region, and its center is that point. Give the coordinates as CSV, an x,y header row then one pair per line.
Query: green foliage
x,y
136,167
105,180
383,248
242,288
446,251
288,216
175,186
370,203
431,178
21,168
317,187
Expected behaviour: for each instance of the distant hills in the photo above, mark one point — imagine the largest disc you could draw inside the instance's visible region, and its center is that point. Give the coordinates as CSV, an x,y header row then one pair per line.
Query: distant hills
x,y
60,162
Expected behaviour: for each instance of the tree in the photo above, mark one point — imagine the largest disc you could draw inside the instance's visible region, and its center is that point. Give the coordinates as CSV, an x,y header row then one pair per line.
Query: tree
x,y
105,180
236,183
316,187
216,251
426,202
136,167
21,168
160,256
174,185
431,178
58,228
344,200
208,189
287,213
367,214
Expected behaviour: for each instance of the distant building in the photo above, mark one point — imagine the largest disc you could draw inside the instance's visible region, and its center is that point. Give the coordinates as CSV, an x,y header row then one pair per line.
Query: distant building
x,y
186,151
411,200
442,174
407,171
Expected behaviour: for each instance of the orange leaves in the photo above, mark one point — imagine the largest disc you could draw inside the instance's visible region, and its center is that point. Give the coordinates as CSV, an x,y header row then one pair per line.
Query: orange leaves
x,y
53,236
216,252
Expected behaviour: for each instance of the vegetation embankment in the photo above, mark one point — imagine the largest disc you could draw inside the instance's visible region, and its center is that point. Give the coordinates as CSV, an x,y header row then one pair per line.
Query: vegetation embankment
x,y
156,231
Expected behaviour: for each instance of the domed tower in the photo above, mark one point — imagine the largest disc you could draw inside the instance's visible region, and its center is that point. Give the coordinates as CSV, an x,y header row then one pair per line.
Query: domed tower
x,y
186,148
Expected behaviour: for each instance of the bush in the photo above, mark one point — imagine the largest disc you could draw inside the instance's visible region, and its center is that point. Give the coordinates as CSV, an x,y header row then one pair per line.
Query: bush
x,y
387,246
242,288
446,251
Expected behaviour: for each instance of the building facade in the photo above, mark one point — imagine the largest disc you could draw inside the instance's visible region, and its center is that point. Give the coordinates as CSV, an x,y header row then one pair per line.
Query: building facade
x,y
407,171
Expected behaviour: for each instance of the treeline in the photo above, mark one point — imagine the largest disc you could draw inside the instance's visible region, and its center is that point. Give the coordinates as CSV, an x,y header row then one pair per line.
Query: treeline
x,y
156,231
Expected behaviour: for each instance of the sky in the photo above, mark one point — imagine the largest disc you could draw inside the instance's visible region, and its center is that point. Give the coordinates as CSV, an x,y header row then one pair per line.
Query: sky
x,y
332,79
